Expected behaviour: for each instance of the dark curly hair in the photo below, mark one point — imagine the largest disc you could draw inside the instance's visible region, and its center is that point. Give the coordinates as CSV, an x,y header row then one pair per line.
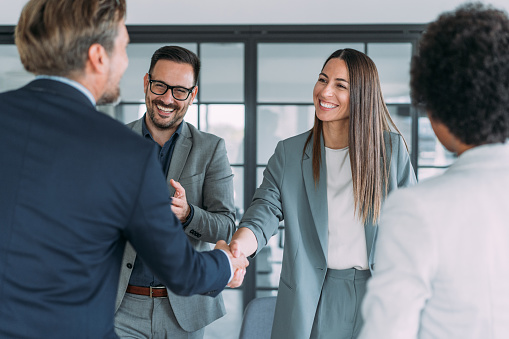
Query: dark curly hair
x,y
461,74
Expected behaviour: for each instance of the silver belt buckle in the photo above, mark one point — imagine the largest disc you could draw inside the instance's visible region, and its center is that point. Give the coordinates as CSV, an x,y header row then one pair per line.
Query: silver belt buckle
x,y
153,288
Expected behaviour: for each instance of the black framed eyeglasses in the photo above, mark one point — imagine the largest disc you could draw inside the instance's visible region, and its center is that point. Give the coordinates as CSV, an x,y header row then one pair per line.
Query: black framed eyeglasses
x,y
160,88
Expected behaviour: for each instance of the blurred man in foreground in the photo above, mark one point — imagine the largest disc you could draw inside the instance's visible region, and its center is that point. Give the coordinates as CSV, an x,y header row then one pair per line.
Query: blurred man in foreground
x,y
76,184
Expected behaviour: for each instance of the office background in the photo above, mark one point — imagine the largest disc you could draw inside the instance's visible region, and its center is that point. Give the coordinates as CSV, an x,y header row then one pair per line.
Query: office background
x,y
260,60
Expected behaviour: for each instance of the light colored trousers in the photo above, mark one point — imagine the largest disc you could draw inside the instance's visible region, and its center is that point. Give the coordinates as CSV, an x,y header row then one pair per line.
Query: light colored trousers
x,y
142,317
338,313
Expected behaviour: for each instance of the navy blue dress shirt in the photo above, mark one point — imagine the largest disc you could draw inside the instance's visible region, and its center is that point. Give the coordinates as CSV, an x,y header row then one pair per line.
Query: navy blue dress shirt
x,y
142,275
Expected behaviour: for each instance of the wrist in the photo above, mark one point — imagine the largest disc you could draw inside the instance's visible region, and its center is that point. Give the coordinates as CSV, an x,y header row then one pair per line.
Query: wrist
x,y
186,218
189,216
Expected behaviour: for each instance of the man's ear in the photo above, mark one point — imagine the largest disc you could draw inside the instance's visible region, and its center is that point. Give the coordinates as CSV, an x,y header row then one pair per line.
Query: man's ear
x,y
193,94
446,138
145,83
98,59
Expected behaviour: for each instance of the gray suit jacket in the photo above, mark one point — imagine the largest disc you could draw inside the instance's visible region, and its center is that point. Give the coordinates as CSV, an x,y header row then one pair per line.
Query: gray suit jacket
x,y
288,192
200,164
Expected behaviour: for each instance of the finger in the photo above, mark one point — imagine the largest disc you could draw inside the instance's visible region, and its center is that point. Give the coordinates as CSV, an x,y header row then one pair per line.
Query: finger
x,y
222,245
237,279
179,190
235,248
175,201
239,263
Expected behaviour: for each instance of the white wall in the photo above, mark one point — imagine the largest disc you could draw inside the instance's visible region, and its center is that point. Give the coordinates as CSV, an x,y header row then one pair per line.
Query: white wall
x,y
186,12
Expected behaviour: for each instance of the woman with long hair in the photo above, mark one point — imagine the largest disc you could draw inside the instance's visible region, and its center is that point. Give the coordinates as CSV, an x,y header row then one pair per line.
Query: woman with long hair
x,y
328,186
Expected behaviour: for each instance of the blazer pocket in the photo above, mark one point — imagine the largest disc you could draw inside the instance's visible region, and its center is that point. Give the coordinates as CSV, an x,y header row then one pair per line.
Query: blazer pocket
x,y
285,283
192,179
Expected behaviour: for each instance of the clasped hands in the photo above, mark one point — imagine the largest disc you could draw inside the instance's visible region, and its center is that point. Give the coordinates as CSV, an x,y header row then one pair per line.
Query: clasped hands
x,y
239,263
243,241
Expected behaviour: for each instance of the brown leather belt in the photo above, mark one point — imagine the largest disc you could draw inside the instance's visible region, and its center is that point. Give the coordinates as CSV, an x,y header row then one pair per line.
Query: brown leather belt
x,y
153,292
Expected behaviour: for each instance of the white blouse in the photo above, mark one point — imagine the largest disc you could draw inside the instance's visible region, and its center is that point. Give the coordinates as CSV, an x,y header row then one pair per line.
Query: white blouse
x,y
347,241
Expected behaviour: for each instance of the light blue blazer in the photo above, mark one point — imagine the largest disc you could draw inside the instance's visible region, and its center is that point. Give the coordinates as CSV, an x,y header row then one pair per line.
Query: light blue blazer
x,y
288,193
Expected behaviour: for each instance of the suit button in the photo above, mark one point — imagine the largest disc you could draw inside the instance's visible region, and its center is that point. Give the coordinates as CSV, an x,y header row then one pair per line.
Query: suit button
x,y
129,265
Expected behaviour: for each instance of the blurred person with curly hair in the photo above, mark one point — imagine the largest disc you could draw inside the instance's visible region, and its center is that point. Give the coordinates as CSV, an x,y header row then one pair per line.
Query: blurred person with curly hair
x,y
443,253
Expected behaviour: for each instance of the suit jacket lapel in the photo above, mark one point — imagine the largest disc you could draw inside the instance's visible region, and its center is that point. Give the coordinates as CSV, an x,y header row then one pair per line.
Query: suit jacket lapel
x,y
180,152
317,197
179,157
137,127
370,234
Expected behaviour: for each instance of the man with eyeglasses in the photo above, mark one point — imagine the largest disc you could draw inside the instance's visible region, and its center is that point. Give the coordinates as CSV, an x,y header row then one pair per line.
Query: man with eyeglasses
x,y
200,180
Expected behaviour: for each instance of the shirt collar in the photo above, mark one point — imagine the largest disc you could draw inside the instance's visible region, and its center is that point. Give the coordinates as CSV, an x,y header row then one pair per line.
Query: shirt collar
x,y
71,83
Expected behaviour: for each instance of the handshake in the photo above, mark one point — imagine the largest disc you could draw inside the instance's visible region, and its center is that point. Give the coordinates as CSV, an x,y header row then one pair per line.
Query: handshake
x,y
238,260
243,238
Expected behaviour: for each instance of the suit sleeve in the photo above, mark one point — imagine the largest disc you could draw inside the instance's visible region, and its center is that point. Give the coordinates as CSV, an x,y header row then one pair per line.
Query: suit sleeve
x,y
266,210
406,262
216,220
157,236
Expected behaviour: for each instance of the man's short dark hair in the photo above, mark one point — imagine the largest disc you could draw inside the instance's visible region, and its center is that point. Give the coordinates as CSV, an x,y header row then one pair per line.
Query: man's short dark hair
x,y
177,54
461,74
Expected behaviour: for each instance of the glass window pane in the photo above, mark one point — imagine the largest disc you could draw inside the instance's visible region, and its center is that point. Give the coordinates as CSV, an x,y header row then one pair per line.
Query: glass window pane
x,y
259,175
130,113
287,72
238,191
427,173
192,115
12,72
266,293
232,320
393,63
400,114
227,122
275,123
222,72
431,151
127,113
131,85
110,110
268,263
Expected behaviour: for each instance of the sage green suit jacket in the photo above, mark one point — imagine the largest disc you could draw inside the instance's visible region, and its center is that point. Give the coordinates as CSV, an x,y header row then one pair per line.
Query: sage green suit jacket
x,y
288,193
200,164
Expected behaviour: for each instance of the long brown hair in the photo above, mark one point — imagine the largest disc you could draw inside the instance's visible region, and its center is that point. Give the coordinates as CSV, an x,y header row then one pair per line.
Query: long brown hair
x,y
369,118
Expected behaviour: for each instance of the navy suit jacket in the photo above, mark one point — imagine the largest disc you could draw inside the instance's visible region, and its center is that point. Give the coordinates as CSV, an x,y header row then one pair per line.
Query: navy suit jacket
x,y
74,186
